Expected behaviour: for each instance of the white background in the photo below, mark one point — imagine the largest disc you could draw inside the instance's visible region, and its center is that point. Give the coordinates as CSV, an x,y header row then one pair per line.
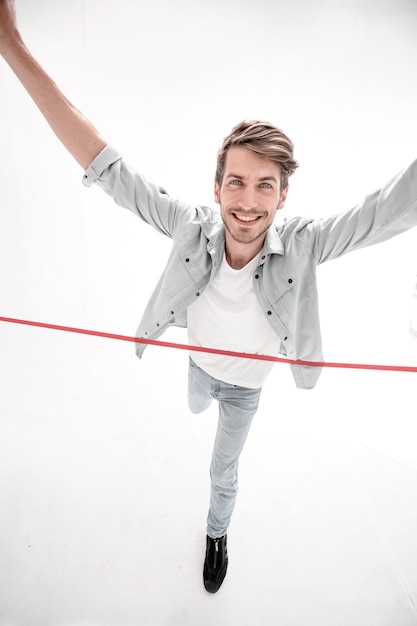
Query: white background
x,y
164,82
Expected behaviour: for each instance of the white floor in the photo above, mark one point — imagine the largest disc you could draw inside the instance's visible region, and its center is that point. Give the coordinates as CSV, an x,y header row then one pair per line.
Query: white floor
x,y
104,483
104,489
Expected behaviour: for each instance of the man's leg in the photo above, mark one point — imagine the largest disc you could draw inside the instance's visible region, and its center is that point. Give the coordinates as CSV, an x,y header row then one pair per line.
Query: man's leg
x,y
237,407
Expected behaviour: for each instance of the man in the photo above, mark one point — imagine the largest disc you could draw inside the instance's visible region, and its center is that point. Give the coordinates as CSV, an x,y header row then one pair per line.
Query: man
x,y
240,283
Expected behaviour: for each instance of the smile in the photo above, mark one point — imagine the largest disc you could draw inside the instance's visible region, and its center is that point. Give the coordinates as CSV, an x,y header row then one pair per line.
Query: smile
x,y
247,219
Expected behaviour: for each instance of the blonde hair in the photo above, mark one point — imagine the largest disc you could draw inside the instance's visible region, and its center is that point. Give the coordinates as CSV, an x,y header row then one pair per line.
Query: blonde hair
x,y
264,139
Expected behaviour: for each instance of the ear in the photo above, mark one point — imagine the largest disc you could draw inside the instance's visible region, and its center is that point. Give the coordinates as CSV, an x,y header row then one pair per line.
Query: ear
x,y
282,199
216,192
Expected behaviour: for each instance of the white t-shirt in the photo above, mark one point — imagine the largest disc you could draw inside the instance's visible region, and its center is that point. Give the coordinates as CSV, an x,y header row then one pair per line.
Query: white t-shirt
x,y
228,316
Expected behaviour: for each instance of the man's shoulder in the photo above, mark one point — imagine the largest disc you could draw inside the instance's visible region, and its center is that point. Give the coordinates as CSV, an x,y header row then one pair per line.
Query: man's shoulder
x,y
293,225
199,221
207,215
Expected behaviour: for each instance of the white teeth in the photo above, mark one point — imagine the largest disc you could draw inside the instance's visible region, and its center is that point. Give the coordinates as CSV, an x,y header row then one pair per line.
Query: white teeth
x,y
247,218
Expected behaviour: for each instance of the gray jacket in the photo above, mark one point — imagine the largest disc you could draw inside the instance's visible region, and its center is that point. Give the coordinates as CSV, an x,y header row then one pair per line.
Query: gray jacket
x,y
285,280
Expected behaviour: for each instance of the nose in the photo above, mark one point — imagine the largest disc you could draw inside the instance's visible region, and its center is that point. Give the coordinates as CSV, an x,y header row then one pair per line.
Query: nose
x,y
247,198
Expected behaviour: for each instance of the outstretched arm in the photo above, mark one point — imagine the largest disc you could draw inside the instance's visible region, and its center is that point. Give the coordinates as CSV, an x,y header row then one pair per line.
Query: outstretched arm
x,y
75,132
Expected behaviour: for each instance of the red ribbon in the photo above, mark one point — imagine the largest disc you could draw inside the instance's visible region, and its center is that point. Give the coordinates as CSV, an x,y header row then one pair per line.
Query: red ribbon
x,y
181,346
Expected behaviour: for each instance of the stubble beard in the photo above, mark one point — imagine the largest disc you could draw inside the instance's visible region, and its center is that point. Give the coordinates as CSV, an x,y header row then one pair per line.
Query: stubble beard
x,y
251,240
246,240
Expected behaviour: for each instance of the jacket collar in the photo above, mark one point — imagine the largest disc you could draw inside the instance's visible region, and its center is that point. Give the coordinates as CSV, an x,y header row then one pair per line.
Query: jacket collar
x,y
273,243
214,233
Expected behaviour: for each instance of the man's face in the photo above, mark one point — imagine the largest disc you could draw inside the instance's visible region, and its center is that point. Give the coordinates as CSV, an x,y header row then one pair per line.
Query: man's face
x,y
249,196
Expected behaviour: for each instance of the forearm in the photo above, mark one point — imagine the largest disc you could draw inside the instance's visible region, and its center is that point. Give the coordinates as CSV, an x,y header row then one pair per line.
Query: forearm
x,y
71,127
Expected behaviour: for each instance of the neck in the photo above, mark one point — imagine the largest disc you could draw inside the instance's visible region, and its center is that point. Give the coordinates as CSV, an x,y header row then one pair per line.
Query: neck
x,y
238,255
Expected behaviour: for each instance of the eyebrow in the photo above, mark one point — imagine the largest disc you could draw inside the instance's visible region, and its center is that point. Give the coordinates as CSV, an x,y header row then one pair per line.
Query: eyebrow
x,y
261,179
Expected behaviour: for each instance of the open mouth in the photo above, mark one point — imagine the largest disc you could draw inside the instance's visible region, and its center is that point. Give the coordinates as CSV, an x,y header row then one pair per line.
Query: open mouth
x,y
246,220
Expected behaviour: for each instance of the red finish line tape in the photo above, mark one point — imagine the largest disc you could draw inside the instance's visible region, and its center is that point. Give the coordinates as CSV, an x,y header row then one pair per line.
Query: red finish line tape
x,y
181,346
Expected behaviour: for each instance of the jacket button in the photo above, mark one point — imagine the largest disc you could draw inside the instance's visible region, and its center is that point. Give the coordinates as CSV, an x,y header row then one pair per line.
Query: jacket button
x,y
198,293
290,280
187,260
269,312
263,257
256,275
172,312
285,338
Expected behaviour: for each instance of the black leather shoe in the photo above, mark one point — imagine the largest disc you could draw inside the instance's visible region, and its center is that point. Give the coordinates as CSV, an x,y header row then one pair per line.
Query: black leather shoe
x,y
215,564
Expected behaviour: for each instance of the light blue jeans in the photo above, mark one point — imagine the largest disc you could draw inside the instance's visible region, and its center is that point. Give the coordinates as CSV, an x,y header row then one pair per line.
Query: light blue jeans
x,y
237,407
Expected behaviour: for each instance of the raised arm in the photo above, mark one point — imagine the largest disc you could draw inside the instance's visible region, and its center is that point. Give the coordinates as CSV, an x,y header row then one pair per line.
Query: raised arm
x,y
71,127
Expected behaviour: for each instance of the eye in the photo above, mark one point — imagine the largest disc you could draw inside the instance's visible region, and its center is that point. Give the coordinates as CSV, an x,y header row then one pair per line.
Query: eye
x,y
266,186
235,182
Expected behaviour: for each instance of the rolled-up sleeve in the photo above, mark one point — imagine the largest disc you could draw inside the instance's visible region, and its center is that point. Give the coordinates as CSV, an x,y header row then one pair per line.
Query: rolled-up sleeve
x,y
107,157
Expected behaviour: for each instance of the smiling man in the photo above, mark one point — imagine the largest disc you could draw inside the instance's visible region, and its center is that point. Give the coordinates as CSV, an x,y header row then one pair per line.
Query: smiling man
x,y
251,185
241,282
